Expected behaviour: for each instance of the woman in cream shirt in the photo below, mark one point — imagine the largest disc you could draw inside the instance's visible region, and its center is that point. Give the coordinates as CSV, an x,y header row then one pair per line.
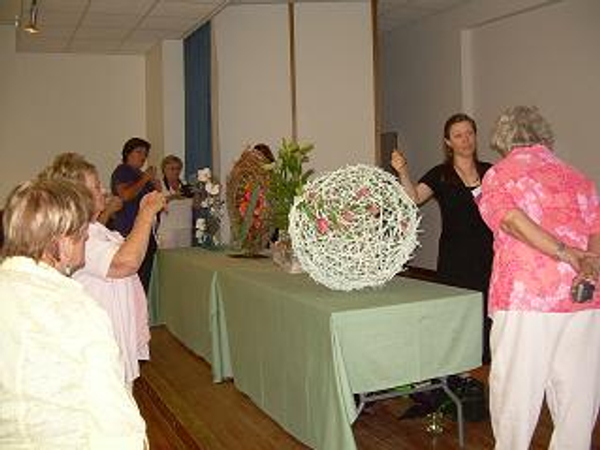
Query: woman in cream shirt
x,y
61,378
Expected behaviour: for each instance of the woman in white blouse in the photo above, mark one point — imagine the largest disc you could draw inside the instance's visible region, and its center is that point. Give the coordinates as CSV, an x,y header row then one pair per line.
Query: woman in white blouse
x,y
61,378
175,229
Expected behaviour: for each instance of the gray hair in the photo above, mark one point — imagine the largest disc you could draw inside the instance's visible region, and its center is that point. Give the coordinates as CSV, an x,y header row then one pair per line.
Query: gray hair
x,y
39,212
521,126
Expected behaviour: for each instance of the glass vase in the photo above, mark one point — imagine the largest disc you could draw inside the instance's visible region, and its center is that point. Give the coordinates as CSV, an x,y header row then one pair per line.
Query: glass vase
x,y
283,253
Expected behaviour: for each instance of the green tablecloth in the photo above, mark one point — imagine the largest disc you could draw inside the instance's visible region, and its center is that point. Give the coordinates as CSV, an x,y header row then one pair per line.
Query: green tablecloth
x,y
300,350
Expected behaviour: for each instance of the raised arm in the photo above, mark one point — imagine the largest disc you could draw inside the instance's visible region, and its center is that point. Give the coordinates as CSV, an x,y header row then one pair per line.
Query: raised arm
x,y
130,255
420,192
113,204
128,191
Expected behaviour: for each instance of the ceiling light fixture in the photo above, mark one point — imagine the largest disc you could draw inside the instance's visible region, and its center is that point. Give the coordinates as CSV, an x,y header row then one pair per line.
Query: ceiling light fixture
x,y
31,26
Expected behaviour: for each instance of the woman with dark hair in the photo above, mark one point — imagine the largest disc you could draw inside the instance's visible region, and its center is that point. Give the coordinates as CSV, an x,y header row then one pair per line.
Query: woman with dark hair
x,y
265,150
62,383
130,183
465,246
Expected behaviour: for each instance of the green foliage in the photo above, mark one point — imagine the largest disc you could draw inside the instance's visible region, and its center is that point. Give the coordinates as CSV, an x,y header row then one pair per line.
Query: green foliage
x,y
287,180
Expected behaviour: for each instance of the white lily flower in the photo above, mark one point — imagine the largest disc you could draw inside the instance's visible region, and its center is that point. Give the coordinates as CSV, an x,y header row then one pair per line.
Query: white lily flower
x,y
208,186
201,224
204,175
204,204
215,189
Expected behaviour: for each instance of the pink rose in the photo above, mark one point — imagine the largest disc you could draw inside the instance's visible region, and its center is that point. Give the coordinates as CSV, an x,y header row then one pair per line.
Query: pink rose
x,y
348,216
363,192
373,209
322,225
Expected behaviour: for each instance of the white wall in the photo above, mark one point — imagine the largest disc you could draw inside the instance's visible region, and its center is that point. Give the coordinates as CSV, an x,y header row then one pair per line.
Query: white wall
x,y
334,79
165,101
335,90
154,104
333,73
251,89
52,103
480,58
556,67
253,79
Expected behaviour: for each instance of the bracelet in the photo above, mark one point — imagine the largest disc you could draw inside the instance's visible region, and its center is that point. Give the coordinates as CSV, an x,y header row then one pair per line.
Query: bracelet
x,y
560,251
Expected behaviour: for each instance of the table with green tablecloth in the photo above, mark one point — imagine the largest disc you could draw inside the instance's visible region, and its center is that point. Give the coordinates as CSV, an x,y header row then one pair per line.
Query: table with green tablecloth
x,y
299,350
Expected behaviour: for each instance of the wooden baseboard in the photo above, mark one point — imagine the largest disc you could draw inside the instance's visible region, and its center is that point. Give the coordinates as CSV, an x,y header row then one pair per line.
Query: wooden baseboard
x,y
419,273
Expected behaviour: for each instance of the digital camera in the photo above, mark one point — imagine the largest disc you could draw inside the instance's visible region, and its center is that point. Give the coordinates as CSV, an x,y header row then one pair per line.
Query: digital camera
x,y
583,291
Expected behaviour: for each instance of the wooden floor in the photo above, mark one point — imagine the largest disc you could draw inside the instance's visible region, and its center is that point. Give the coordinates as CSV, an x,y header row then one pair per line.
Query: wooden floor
x,y
184,409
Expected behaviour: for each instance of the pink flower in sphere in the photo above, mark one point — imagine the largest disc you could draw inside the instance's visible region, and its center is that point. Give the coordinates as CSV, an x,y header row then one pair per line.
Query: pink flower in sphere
x,y
322,225
363,192
373,209
348,216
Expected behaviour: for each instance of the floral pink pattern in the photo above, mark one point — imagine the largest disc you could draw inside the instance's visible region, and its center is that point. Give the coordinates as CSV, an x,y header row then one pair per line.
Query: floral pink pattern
x,y
559,199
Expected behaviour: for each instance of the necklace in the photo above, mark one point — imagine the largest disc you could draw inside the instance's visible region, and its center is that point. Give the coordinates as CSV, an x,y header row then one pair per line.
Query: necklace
x,y
469,180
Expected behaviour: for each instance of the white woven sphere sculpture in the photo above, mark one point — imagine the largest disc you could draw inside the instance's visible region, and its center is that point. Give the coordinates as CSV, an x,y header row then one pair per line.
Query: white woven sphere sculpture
x,y
354,227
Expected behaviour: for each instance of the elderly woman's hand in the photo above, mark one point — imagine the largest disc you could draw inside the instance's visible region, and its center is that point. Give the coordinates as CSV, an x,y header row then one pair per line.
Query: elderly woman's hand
x,y
113,204
590,268
152,203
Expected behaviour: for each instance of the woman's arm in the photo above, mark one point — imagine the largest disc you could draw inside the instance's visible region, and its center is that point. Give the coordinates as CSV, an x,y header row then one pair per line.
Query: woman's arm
x,y
113,204
518,224
131,253
420,192
128,191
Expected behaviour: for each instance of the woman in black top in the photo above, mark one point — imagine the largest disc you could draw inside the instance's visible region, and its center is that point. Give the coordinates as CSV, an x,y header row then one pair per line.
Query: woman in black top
x,y
465,246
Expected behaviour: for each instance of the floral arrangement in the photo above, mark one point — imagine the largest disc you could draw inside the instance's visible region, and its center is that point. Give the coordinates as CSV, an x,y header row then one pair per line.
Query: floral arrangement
x,y
287,179
252,207
354,227
250,218
207,208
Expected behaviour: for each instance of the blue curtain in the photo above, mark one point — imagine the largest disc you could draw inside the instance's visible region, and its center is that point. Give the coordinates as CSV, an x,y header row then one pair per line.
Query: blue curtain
x,y
198,138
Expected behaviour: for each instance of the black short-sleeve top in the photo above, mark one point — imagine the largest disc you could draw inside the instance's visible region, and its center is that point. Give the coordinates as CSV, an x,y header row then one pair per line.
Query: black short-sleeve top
x,y
465,246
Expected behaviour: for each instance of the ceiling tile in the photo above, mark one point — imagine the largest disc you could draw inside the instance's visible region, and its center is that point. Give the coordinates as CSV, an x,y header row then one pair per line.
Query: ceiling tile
x,y
181,9
103,20
122,26
116,34
206,2
149,35
93,46
73,6
136,7
52,19
167,23
132,48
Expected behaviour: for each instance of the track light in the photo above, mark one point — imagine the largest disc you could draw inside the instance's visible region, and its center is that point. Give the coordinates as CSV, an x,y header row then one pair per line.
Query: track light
x,y
31,26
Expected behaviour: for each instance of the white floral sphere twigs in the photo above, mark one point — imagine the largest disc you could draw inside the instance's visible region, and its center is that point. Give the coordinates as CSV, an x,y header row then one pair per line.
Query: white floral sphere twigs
x,y
354,227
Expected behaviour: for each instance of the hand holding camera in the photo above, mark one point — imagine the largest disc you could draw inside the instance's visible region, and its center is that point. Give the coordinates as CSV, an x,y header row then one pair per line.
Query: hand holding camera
x,y
584,284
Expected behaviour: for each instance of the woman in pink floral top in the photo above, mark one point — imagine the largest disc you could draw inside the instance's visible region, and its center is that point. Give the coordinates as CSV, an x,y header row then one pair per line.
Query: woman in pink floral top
x,y
545,216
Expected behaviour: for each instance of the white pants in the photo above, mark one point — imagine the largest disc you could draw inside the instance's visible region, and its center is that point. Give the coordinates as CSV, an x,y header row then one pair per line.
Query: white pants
x,y
552,354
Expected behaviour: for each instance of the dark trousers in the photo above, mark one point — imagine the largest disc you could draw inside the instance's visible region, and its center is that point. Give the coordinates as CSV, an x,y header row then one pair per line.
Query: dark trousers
x,y
145,270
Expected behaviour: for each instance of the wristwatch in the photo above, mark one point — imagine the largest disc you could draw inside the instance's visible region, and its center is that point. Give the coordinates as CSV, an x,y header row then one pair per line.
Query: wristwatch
x,y
561,251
